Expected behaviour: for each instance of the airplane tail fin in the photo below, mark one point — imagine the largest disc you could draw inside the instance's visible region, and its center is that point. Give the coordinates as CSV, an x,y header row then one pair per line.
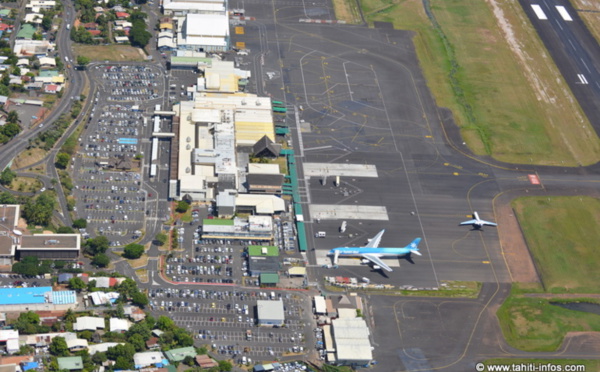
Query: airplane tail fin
x,y
414,247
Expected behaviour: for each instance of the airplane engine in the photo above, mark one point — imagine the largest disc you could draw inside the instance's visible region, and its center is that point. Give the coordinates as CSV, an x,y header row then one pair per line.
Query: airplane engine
x,y
364,261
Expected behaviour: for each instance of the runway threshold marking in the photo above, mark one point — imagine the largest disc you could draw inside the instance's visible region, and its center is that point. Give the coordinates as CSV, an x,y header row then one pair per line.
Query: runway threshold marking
x,y
533,179
539,12
563,13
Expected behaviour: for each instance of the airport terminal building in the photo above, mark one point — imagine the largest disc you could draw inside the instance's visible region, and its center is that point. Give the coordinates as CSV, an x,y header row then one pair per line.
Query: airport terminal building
x,y
15,243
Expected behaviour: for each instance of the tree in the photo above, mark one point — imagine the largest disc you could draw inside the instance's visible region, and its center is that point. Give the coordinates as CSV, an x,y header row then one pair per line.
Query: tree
x,y
138,35
225,365
139,299
161,238
138,342
58,347
27,322
189,360
7,198
123,363
62,160
96,245
165,323
10,130
100,260
182,206
77,284
126,351
80,223
47,22
13,116
64,230
133,251
82,60
7,176
99,358
39,212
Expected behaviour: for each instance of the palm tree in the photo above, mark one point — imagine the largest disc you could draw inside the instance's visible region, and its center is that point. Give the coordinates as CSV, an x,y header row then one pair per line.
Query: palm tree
x,y
13,117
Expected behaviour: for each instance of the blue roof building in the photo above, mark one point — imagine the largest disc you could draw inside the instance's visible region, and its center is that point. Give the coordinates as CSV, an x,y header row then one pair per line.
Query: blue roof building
x,y
36,298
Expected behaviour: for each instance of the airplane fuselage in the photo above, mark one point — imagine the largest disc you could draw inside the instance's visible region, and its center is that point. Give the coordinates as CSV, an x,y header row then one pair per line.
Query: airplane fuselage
x,y
381,252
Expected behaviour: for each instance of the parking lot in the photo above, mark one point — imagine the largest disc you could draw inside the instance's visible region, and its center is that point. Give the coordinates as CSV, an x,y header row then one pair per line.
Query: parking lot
x,y
108,173
226,320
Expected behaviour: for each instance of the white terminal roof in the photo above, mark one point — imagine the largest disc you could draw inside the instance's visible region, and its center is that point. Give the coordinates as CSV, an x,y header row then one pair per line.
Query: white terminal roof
x,y
270,310
260,223
206,26
264,204
206,5
260,168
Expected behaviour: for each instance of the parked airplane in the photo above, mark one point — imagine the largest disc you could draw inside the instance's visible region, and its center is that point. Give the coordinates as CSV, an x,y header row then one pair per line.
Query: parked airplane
x,y
371,252
477,223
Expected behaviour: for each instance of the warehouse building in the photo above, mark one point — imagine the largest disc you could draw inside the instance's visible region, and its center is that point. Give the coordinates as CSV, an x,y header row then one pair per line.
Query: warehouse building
x,y
270,313
351,340
204,32
36,298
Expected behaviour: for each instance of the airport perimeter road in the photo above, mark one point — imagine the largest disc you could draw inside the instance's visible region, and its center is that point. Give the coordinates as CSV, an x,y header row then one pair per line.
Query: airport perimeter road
x,y
573,49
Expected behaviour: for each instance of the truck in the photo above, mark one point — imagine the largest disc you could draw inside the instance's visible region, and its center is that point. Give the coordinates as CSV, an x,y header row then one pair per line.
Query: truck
x,y
249,334
320,234
68,27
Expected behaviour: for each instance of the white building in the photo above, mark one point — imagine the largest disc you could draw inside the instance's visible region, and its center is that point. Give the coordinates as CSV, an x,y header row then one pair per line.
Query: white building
x,y
148,358
119,325
270,313
351,339
180,8
204,32
88,323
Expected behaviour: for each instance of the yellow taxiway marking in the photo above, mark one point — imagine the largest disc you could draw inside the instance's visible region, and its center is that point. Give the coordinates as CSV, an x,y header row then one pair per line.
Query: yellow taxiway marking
x,y
239,30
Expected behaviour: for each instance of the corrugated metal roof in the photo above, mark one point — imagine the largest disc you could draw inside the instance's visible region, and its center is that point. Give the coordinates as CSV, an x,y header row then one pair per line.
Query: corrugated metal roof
x,y
269,278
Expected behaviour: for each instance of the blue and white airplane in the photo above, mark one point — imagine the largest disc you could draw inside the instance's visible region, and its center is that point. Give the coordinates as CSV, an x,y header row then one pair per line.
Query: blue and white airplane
x,y
372,253
477,223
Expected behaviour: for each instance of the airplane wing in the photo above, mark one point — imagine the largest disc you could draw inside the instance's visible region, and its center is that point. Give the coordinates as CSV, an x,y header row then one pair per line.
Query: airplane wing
x,y
374,243
488,223
469,222
376,260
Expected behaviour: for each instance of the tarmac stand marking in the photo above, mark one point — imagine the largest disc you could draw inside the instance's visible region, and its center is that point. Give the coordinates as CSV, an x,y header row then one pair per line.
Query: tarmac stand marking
x,y
533,179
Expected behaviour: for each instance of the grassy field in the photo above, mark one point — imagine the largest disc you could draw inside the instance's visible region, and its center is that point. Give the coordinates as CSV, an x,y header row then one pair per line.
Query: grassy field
x,y
590,365
25,184
347,10
28,157
562,234
508,102
533,324
115,53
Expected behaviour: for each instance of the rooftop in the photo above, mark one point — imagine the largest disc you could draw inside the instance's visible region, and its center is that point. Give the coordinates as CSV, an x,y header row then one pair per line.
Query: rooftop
x,y
257,250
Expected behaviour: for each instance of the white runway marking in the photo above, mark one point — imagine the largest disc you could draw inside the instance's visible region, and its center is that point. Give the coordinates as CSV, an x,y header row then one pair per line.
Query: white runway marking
x,y
563,13
582,79
539,12
337,169
347,212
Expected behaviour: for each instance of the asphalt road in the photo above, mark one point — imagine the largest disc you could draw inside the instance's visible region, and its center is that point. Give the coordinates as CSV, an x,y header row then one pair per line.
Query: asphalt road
x,y
573,49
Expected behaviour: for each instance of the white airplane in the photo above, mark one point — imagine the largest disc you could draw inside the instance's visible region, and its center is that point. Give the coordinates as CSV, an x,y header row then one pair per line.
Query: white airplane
x,y
477,223
372,253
